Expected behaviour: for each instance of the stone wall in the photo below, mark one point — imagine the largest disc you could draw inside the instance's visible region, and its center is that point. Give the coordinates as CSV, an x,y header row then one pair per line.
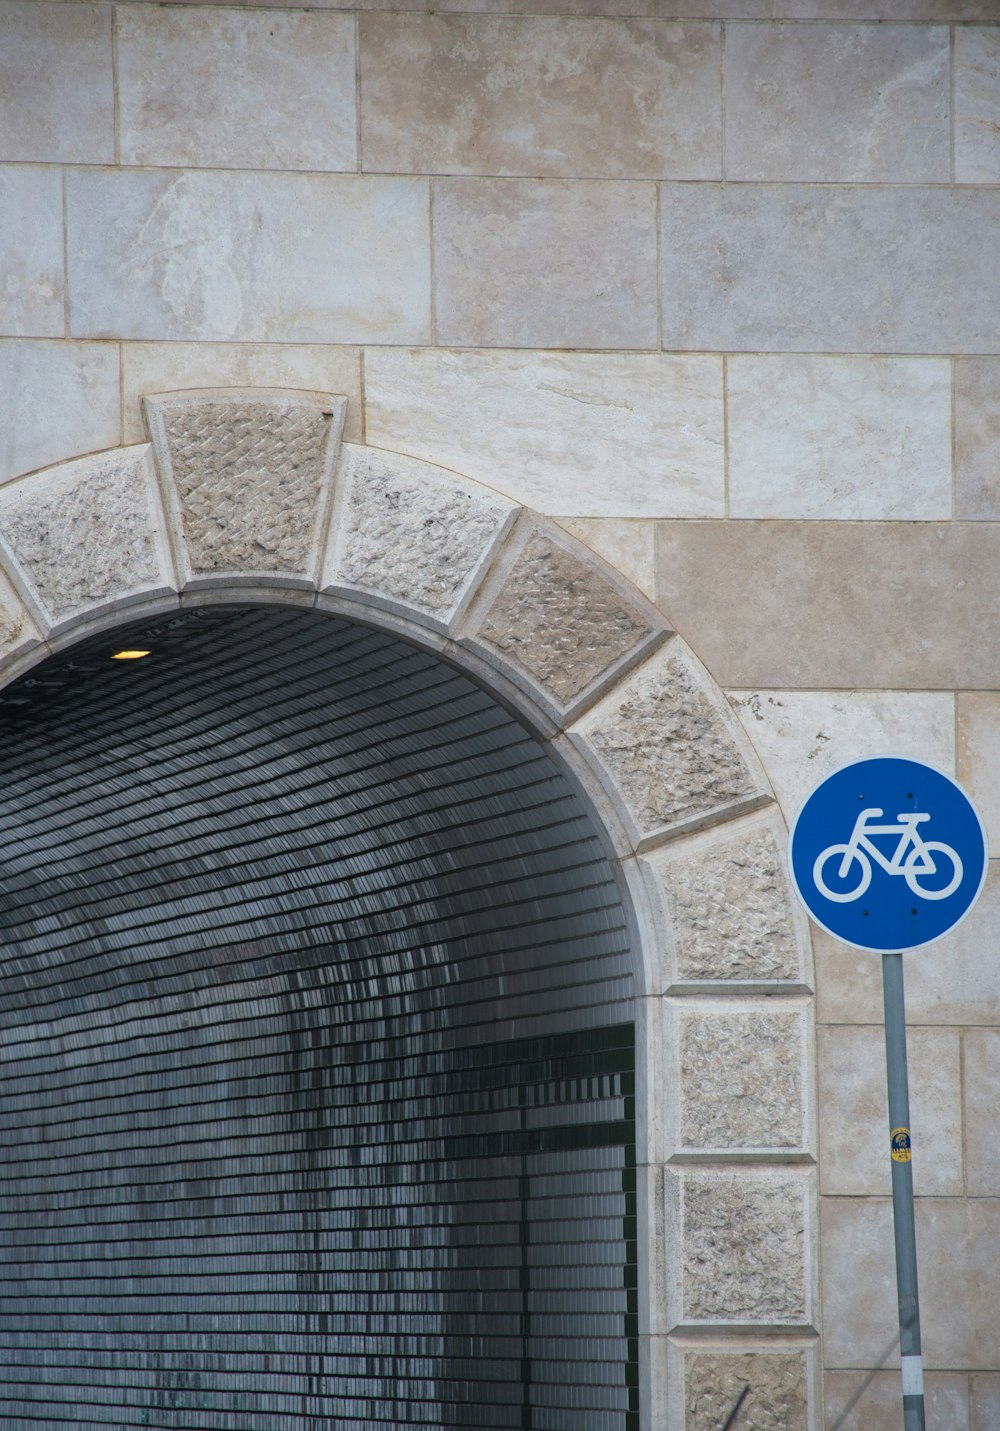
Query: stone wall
x,y
714,283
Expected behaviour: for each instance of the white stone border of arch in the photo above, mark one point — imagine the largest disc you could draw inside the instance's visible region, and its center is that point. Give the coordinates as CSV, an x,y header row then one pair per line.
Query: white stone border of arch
x,y
249,495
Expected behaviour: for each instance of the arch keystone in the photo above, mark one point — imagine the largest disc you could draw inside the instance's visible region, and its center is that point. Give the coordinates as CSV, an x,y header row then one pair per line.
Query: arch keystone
x,y
247,478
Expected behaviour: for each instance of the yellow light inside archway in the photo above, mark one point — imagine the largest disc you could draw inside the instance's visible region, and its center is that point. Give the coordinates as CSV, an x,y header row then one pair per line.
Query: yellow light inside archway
x,y
128,655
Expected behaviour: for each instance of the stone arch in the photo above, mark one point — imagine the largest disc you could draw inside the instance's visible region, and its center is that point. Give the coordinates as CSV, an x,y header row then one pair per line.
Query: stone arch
x,y
249,495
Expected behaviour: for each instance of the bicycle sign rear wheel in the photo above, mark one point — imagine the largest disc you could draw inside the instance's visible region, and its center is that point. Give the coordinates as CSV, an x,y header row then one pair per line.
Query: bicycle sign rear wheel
x,y
853,885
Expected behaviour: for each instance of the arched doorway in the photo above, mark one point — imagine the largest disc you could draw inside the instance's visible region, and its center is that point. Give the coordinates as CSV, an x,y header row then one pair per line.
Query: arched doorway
x,y
319,1084
246,497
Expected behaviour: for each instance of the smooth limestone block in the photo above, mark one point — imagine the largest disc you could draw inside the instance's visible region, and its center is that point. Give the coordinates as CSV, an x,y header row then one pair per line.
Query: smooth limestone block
x,y
977,105
985,1402
880,1408
32,290
410,533
571,434
830,268
40,378
853,1115
573,98
979,756
558,619
977,438
958,1242
248,472
777,1399
838,103
250,257
728,904
285,82
846,438
982,1078
803,736
57,103
741,1078
545,263
168,367
87,533
667,743
744,1246
855,605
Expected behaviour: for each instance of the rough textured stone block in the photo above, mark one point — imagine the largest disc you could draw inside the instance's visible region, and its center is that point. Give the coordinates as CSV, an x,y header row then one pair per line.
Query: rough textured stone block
x,y
76,381
250,257
57,103
573,98
729,906
817,268
32,291
559,620
248,472
778,1398
985,1402
17,630
570,434
744,1245
977,438
673,754
741,1078
409,532
977,105
289,88
849,438
783,604
838,103
853,1116
168,367
87,533
803,736
552,263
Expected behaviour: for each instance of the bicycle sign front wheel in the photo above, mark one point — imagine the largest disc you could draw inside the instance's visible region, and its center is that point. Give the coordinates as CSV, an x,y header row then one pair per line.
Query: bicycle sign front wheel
x,y
920,863
838,886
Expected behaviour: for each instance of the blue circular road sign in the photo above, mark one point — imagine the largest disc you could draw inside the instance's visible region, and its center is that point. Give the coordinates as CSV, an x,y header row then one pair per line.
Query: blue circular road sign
x,y
888,854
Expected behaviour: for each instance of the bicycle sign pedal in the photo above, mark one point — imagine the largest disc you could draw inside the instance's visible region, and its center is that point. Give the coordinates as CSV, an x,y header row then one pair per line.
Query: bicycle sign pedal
x,y
888,854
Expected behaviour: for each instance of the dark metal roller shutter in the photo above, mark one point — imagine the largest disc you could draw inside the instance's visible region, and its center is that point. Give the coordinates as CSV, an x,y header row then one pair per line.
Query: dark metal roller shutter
x,y
316,1047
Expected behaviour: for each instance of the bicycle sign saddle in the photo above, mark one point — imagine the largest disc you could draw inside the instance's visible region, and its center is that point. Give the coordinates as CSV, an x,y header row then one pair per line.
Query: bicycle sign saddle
x,y
888,854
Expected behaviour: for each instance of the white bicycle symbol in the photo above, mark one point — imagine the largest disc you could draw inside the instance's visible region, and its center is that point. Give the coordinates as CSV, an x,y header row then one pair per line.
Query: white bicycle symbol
x,y
913,858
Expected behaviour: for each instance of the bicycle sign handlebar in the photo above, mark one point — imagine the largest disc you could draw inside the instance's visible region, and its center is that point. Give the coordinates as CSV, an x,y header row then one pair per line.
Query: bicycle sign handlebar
x,y
888,854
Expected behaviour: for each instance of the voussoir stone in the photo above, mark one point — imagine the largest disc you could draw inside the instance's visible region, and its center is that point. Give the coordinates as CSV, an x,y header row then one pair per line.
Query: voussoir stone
x,y
743,1241
741,1079
556,618
88,532
777,1399
410,532
728,906
673,754
247,474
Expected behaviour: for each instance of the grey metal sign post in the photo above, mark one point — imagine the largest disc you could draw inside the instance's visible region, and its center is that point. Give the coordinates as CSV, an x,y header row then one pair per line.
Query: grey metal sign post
x,y
864,864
